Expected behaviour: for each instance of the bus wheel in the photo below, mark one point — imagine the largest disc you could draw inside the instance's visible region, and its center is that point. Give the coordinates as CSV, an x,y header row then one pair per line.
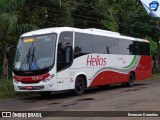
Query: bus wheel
x,y
45,94
124,84
79,86
131,79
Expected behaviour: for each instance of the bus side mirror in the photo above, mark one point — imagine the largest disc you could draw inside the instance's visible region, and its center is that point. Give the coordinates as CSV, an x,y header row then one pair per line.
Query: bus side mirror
x,y
64,45
77,50
68,54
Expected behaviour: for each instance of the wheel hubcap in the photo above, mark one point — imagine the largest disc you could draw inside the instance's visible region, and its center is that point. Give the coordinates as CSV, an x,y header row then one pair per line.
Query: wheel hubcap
x,y
79,85
131,80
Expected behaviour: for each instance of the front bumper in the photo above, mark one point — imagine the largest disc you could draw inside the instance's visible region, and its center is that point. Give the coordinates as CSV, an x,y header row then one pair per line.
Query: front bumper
x,y
28,87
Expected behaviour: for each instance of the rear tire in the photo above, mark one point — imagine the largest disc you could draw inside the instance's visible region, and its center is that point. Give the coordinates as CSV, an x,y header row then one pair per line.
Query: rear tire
x,y
124,84
79,86
131,79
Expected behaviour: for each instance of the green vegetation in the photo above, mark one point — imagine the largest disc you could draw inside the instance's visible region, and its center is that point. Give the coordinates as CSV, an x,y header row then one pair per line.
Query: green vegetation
x,y
127,17
10,27
7,90
154,47
154,77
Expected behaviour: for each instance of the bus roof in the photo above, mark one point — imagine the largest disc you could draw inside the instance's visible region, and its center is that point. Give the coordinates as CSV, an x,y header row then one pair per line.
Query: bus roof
x,y
92,31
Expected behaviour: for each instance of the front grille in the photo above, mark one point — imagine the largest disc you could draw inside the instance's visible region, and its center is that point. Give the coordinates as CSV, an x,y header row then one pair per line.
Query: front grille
x,y
31,82
31,87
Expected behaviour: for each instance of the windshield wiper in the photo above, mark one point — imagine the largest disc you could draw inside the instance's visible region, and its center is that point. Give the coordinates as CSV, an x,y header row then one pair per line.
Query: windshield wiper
x,y
33,59
27,57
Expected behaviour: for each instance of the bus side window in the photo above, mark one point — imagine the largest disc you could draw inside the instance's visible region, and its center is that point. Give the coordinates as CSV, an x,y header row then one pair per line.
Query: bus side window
x,y
111,45
99,44
134,48
83,44
146,48
124,47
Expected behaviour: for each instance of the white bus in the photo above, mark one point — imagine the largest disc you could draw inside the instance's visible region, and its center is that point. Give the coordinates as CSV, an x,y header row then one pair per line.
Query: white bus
x,y
65,58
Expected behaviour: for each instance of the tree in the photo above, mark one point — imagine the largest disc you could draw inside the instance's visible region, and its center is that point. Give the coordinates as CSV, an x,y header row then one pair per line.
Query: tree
x,y
85,14
10,26
154,53
153,46
134,21
127,17
107,13
48,13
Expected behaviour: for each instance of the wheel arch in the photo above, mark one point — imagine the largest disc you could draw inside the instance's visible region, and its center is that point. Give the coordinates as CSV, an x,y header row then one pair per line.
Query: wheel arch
x,y
84,76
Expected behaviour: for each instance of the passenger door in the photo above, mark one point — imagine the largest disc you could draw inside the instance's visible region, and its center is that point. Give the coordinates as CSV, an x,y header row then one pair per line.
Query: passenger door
x,y
64,59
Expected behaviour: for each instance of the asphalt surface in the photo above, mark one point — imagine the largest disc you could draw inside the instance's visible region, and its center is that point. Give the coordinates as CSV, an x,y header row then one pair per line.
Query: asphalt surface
x,y
144,96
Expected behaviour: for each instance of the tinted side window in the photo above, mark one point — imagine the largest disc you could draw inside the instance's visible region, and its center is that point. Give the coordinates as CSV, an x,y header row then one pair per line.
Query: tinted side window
x,y
99,44
139,48
66,37
83,44
134,48
146,48
124,47
112,45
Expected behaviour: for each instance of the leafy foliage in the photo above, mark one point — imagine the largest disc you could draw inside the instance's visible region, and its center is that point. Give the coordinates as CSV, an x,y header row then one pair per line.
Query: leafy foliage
x,y
154,47
9,25
127,17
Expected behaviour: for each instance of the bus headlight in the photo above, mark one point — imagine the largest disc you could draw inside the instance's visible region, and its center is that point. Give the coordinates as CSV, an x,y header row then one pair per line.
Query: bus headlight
x,y
48,79
15,81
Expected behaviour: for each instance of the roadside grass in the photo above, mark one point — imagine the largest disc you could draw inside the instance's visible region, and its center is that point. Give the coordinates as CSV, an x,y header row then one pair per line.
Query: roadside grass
x,y
155,77
7,90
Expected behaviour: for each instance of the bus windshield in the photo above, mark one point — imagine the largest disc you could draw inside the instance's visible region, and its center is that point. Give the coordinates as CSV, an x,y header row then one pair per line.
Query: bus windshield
x,y
34,53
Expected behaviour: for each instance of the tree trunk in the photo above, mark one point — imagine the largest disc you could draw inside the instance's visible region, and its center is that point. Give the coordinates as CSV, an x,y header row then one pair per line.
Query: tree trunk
x,y
5,64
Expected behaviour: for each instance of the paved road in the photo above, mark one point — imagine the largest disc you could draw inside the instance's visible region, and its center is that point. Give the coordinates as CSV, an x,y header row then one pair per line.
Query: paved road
x,y
144,96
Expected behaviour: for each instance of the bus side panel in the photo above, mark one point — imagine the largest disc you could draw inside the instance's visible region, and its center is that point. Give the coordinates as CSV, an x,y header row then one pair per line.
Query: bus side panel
x,y
144,68
79,67
116,70
109,77
62,79
74,72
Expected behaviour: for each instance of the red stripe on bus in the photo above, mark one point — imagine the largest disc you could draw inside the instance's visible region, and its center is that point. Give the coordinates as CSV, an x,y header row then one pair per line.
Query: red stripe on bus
x,y
109,77
31,79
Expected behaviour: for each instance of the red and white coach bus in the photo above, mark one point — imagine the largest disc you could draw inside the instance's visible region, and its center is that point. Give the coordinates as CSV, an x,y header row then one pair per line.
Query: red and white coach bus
x,y
65,58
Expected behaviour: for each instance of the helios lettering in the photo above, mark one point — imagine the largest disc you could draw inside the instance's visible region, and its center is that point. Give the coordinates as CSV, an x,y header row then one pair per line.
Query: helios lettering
x,y
95,61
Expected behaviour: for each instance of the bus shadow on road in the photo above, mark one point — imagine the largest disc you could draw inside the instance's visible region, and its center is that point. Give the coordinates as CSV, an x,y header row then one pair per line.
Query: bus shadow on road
x,y
113,87
95,90
57,95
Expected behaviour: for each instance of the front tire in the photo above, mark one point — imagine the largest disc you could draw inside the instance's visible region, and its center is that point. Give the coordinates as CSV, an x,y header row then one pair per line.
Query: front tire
x,y
79,86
